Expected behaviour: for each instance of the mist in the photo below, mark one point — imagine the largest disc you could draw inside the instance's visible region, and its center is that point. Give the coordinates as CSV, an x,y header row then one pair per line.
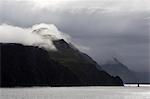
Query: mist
x,y
102,29
41,35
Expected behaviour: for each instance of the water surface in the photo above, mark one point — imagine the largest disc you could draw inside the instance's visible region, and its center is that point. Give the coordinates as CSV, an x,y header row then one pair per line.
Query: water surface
x,y
76,93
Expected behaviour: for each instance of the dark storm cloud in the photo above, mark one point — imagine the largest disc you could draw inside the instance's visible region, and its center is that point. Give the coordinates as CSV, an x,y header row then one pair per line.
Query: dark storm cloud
x,y
123,34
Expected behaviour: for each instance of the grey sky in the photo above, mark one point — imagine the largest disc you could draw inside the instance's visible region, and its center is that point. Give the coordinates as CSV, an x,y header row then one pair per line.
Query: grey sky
x,y
109,28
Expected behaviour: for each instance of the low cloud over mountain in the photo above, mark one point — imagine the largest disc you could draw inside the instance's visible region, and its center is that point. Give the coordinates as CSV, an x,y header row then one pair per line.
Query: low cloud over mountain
x,y
40,35
109,28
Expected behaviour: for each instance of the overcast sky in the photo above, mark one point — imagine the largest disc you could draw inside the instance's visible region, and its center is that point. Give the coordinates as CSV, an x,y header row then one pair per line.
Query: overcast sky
x,y
107,28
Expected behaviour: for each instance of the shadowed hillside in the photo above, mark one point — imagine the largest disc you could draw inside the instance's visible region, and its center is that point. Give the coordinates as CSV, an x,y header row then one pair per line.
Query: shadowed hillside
x,y
86,69
33,66
116,68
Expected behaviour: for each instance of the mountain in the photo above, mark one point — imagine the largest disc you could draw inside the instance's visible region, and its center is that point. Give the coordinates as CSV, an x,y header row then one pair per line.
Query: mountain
x,y
32,66
116,68
82,65
27,66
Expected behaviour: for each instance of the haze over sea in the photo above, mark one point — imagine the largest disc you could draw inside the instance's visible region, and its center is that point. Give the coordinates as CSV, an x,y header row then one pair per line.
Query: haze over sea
x,y
126,92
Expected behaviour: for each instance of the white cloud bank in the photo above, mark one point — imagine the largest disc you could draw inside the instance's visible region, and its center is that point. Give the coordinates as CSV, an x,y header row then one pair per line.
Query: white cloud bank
x,y
107,5
40,35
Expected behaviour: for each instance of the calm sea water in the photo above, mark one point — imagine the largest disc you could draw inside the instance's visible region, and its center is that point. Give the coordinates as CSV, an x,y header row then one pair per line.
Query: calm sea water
x,y
126,92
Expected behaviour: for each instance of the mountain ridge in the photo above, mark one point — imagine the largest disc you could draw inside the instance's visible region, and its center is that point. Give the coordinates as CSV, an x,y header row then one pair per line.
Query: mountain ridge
x,y
117,68
80,63
28,66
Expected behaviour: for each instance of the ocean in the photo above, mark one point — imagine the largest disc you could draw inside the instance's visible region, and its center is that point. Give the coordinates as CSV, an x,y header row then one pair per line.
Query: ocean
x,y
126,92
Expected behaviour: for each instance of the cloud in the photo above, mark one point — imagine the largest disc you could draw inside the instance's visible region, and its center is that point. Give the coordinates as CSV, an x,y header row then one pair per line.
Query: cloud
x,y
108,27
125,36
41,35
91,5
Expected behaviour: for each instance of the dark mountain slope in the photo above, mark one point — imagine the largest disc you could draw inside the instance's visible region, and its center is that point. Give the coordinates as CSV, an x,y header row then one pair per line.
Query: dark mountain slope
x,y
116,68
86,69
32,66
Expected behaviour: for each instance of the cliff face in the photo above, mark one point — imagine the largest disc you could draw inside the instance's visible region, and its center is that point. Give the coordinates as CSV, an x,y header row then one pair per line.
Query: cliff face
x,y
33,66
